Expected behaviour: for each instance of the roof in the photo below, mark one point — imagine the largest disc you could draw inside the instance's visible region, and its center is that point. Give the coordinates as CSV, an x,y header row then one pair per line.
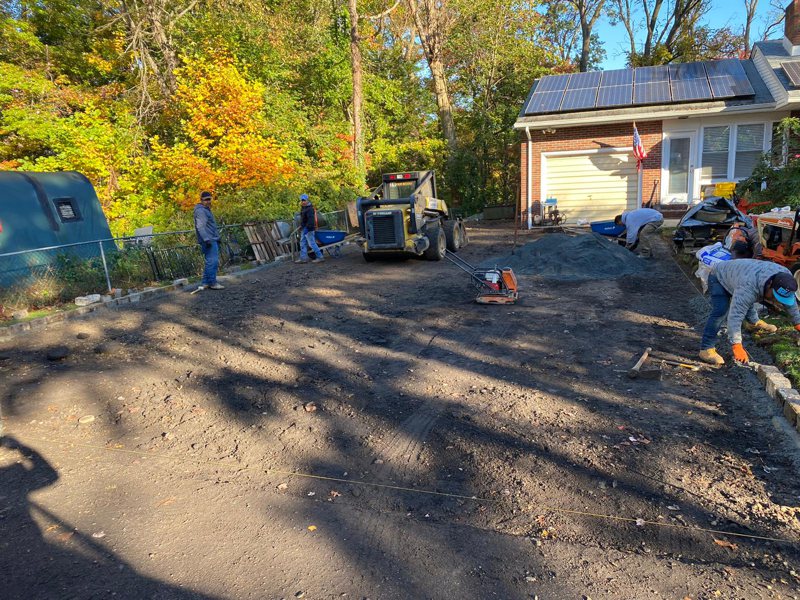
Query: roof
x,y
751,93
773,55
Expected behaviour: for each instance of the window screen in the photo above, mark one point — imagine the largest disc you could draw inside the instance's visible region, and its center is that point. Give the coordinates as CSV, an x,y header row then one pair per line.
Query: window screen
x,y
716,141
749,148
67,210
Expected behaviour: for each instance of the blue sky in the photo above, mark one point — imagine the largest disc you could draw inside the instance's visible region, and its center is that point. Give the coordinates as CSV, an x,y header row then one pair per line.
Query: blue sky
x,y
722,13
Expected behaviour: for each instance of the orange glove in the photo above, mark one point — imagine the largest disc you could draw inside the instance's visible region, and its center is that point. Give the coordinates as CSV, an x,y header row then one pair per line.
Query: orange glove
x,y
740,354
797,327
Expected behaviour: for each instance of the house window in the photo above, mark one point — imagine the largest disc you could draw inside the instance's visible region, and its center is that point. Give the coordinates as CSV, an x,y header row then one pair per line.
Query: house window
x,y
716,142
749,148
67,210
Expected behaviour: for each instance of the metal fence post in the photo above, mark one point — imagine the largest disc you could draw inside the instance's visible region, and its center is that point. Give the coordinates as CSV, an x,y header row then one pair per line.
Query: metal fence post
x,y
105,265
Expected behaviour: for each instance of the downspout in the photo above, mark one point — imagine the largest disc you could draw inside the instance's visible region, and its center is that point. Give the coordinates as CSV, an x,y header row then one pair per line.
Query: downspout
x,y
528,180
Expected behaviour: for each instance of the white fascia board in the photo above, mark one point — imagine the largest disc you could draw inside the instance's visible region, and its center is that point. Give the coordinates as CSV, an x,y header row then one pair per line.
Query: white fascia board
x,y
649,113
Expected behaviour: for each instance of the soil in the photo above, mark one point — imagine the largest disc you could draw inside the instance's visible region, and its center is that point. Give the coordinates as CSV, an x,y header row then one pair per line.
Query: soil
x,y
361,430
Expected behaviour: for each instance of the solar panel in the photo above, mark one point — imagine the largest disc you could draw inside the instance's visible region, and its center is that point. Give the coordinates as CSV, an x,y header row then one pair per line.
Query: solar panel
x,y
792,70
584,80
728,78
544,102
617,77
687,71
552,83
691,89
651,93
651,74
577,99
614,95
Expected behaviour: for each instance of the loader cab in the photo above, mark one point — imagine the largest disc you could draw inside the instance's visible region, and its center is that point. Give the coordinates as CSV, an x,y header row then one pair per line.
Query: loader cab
x,y
397,186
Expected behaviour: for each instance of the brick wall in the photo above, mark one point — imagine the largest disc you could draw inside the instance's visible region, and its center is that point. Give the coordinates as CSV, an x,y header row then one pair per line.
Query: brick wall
x,y
593,137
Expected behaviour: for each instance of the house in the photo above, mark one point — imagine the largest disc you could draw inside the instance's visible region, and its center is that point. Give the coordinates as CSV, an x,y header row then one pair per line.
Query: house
x,y
700,123
46,210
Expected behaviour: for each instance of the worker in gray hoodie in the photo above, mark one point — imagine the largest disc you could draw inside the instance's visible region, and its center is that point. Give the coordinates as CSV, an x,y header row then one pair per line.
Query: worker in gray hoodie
x,y
735,286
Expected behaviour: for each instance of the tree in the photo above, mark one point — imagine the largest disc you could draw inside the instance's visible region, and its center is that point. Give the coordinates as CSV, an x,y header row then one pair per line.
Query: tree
x,y
750,7
588,11
433,22
671,32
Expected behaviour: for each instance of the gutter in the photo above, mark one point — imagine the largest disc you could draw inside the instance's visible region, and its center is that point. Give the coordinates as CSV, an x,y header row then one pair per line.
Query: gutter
x,y
528,181
580,119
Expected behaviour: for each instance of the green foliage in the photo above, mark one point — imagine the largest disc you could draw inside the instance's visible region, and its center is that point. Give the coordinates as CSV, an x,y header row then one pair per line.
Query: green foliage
x,y
776,178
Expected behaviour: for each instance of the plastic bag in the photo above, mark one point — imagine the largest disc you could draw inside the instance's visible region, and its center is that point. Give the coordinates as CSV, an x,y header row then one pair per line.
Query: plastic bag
x,y
708,257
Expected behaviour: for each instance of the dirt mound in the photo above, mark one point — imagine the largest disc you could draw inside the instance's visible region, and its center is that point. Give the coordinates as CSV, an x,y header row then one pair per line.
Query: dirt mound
x,y
571,258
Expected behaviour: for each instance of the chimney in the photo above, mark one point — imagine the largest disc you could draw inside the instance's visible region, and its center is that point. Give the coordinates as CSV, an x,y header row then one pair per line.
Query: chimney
x,y
791,28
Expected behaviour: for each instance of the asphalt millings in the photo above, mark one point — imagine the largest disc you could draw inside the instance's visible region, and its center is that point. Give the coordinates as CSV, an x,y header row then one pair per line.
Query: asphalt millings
x,y
571,258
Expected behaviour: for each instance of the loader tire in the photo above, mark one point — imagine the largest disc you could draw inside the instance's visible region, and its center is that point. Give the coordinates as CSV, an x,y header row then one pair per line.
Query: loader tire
x,y
368,256
438,243
464,236
454,234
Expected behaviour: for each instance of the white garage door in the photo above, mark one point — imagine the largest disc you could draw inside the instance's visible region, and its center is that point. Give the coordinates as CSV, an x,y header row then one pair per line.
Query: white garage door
x,y
595,186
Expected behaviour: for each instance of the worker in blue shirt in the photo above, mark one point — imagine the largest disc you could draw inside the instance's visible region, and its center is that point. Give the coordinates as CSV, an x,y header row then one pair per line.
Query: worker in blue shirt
x,y
641,229
205,226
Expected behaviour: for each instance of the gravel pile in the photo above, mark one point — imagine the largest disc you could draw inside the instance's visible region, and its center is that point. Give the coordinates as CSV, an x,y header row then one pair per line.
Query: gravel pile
x,y
571,258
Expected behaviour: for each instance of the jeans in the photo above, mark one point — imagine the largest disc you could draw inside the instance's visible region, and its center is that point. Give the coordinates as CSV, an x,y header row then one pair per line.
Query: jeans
x,y
307,238
211,254
720,302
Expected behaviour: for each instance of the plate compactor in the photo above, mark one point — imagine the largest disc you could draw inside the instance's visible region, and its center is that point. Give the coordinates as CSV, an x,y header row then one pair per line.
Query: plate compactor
x,y
495,285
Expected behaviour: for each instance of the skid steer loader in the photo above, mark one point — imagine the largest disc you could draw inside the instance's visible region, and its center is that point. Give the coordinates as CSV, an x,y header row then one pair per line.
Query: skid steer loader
x,y
404,218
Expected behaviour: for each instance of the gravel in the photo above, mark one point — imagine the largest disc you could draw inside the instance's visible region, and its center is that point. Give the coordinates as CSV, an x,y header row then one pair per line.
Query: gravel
x,y
571,258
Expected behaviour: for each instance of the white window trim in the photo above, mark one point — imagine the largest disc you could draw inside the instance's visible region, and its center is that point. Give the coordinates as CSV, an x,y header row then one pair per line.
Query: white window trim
x,y
732,141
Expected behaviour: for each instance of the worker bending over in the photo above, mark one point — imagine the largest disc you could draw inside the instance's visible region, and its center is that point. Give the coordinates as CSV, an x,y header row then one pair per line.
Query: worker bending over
x,y
641,228
735,286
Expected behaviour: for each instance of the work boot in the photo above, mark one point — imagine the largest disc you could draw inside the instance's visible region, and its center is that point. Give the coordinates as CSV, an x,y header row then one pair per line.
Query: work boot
x,y
318,259
712,357
762,326
301,261
216,286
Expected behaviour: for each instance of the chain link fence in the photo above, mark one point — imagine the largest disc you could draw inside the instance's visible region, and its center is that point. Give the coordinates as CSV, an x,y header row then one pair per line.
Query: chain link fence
x,y
45,277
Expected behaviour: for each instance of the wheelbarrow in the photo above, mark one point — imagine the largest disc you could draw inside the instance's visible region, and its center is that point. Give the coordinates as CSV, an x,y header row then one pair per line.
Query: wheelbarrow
x,y
331,240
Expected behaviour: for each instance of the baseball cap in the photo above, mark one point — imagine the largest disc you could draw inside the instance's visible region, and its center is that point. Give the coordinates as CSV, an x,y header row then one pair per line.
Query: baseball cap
x,y
205,196
303,197
783,288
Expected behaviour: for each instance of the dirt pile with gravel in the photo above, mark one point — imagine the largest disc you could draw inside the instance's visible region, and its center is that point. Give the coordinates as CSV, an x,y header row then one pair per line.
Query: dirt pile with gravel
x,y
571,258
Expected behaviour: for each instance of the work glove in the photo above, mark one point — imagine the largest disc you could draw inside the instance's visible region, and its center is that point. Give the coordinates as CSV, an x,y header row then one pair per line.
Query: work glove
x,y
740,354
797,327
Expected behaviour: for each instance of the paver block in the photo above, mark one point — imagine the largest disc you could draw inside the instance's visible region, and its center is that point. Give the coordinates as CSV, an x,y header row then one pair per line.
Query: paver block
x,y
791,410
775,382
787,395
134,298
764,370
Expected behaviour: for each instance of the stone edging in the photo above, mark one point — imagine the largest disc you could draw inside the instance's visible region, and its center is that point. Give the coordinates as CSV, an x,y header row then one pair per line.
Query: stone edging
x,y
10,332
780,389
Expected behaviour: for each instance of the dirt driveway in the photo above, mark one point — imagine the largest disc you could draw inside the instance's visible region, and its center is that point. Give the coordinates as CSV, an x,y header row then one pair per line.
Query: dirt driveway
x,y
456,450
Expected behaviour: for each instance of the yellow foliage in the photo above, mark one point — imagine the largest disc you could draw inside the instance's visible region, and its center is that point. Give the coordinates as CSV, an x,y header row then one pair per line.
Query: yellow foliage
x,y
220,142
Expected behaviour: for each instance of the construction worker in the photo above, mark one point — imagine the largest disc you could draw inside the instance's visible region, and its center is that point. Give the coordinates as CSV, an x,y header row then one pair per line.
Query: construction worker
x,y
308,227
735,286
205,226
641,228
743,241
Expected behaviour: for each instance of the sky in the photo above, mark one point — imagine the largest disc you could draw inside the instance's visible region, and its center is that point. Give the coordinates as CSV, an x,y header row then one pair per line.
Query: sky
x,y
722,13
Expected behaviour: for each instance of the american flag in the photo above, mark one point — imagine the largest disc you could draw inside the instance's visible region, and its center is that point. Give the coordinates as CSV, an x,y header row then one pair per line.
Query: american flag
x,y
638,148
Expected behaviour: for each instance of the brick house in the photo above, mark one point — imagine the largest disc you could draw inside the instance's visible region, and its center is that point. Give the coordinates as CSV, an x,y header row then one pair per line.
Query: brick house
x,y
700,123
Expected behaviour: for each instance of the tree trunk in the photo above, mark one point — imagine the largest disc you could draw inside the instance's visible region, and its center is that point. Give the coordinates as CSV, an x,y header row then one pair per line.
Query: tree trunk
x,y
750,7
358,90
586,38
430,32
